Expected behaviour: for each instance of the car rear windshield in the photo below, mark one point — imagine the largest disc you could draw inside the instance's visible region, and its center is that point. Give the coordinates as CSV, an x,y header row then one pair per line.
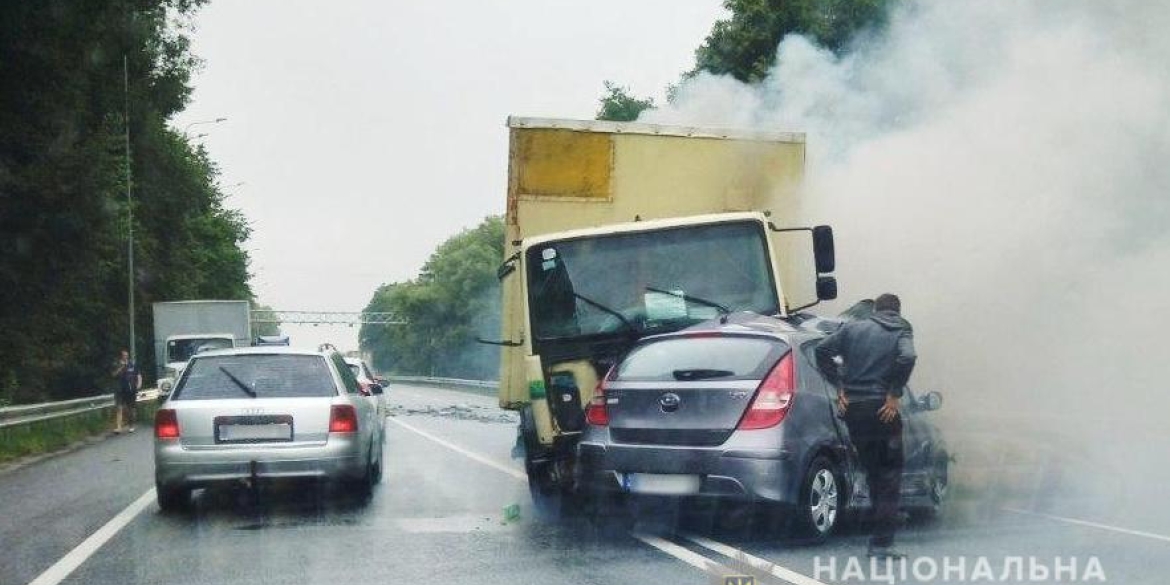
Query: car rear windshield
x,y
256,376
702,359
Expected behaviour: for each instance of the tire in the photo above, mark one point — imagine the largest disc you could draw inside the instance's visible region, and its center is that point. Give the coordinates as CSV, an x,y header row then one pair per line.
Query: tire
x,y
377,478
362,486
822,494
172,499
550,500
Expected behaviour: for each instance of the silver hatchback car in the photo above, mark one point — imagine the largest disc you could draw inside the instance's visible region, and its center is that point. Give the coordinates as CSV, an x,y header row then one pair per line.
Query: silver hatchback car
x,y
265,413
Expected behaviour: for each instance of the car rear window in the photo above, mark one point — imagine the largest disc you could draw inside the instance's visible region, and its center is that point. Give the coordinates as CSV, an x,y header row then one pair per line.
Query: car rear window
x,y
701,358
256,375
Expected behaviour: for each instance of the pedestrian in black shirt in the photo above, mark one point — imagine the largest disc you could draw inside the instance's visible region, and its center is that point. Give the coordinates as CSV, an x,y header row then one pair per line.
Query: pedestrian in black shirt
x,y
876,357
126,394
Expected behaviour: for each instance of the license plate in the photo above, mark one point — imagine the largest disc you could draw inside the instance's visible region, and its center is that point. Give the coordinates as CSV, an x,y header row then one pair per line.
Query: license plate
x,y
662,484
269,432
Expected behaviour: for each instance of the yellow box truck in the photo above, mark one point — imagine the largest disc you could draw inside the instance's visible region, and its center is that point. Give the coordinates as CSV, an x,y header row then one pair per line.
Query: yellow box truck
x,y
616,231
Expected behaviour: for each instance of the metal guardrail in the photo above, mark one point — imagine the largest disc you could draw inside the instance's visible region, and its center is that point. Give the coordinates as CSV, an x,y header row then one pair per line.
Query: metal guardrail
x,y
12,416
432,381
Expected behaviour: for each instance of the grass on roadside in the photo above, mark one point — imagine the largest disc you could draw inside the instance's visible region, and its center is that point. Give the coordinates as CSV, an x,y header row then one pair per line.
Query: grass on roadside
x,y
53,434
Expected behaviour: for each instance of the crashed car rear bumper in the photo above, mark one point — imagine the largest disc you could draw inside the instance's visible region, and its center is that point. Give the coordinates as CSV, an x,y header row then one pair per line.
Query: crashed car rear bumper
x,y
750,474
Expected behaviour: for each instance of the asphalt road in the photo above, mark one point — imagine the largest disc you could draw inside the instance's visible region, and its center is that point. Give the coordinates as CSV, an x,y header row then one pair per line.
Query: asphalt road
x,y
438,517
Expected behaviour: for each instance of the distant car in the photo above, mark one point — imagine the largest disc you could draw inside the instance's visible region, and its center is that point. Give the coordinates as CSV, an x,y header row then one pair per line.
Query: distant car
x,y
738,410
265,413
372,386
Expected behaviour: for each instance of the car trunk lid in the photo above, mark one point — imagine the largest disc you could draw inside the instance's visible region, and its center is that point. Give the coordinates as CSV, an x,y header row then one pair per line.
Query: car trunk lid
x,y
687,390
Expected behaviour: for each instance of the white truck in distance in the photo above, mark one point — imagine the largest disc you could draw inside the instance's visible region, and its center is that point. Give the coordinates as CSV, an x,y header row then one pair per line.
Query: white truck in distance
x,y
184,328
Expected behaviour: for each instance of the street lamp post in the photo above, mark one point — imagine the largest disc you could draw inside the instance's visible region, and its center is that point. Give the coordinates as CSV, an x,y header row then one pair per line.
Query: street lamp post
x,y
215,121
129,213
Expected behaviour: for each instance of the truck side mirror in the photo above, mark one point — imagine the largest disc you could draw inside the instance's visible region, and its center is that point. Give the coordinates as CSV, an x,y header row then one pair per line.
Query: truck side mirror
x,y
826,288
824,253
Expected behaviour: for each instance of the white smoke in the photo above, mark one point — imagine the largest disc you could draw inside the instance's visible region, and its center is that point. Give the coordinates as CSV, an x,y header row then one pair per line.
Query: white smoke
x,y
1005,168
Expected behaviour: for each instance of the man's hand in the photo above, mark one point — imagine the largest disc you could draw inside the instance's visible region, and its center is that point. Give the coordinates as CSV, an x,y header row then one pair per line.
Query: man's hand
x,y
889,411
842,401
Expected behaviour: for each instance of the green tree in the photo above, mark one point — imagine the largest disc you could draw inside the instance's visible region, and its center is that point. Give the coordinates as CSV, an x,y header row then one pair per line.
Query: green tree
x,y
744,44
63,205
453,300
619,105
264,328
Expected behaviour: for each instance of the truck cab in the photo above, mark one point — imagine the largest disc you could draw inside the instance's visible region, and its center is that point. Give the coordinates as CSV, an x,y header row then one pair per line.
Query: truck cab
x,y
180,348
616,231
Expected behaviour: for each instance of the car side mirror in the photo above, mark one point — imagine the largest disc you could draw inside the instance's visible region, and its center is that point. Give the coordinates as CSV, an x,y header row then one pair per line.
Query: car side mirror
x,y
931,401
376,389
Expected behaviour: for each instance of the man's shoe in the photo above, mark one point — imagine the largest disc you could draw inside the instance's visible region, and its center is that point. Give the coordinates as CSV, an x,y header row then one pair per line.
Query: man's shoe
x,y
885,552
131,430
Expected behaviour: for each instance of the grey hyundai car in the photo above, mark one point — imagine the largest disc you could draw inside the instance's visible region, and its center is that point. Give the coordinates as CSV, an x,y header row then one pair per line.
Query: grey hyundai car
x,y
265,413
735,408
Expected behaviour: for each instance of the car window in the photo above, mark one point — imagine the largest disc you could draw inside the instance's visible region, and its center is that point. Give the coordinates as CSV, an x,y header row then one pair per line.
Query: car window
x,y
347,377
356,369
743,358
256,376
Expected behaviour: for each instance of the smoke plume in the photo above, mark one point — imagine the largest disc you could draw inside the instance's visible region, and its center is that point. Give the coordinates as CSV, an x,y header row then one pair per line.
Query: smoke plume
x,y
1005,168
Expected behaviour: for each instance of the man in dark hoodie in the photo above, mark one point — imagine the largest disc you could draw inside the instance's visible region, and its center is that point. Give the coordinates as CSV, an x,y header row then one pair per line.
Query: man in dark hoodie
x,y
876,356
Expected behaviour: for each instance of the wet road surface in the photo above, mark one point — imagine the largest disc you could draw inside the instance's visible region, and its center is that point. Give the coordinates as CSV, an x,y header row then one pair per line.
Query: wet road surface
x,y
438,516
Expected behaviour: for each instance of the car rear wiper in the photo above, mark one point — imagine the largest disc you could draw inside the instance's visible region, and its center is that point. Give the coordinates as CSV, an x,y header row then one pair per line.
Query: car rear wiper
x,y
690,299
700,374
243,386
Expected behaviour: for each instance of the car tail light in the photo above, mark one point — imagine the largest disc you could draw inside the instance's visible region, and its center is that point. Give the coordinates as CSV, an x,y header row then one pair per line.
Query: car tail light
x,y
166,424
343,419
773,398
596,412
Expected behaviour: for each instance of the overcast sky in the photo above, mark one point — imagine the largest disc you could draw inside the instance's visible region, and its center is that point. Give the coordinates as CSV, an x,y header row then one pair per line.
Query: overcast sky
x,y
366,132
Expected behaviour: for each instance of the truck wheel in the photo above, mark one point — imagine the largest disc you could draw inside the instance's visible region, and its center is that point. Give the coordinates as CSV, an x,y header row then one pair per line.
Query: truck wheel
x,y
821,494
171,499
549,475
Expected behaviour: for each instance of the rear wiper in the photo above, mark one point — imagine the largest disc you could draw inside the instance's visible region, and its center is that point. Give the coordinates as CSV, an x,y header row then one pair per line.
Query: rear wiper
x,y
688,298
598,305
243,386
700,374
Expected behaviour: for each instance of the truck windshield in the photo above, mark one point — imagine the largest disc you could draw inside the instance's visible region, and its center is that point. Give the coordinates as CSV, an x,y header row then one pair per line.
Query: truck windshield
x,y
181,350
648,281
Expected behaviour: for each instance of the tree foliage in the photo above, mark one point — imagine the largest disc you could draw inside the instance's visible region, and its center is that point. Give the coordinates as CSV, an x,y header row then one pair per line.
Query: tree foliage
x,y
619,105
453,300
63,203
744,45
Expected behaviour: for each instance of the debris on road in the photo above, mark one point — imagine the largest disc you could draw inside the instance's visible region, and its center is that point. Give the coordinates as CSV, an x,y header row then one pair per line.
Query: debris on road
x,y
511,513
458,411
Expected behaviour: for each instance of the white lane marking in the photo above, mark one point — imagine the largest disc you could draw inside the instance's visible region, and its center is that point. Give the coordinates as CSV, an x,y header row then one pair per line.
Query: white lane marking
x,y
672,549
508,469
74,558
691,558
753,561
1117,529
685,555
